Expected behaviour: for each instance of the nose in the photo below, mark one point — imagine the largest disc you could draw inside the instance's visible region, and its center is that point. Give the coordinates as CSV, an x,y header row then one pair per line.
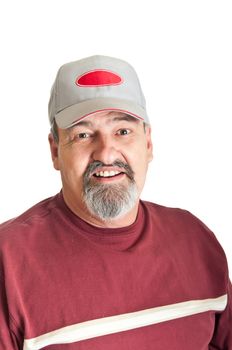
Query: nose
x,y
105,150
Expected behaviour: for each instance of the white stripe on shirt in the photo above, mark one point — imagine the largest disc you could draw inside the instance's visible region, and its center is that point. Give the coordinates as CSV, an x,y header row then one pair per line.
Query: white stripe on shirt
x,y
124,322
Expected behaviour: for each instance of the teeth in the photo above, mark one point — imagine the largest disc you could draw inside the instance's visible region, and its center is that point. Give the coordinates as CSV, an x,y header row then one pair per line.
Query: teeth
x,y
107,173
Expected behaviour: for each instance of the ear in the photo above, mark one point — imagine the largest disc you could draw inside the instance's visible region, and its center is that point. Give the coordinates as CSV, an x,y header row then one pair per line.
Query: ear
x,y
54,151
149,144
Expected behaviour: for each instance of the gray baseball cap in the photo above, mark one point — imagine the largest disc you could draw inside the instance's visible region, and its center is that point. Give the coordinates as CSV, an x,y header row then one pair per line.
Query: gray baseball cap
x,y
95,84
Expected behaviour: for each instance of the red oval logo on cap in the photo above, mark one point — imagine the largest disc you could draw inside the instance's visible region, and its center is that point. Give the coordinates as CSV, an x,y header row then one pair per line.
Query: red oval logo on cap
x,y
99,77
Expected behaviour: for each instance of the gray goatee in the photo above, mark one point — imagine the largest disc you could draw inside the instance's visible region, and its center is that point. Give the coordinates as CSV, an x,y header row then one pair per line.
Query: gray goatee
x,y
109,201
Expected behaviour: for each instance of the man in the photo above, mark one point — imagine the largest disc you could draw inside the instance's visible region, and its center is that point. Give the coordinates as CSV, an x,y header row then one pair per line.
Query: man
x,y
94,267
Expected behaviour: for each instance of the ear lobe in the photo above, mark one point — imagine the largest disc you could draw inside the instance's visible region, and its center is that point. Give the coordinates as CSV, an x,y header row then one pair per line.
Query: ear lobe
x,y
54,151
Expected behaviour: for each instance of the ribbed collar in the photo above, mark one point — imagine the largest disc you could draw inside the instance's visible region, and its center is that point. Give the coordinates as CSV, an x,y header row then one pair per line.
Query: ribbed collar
x,y
120,238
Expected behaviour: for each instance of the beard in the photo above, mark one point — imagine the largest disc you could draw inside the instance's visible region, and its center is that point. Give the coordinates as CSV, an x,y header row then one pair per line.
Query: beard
x,y
109,201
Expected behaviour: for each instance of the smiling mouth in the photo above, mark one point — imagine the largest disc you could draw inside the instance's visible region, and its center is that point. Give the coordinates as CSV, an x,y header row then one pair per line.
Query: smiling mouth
x,y
107,174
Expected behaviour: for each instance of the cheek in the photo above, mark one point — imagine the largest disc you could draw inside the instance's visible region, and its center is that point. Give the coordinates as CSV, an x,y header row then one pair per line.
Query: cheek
x,y
72,168
138,160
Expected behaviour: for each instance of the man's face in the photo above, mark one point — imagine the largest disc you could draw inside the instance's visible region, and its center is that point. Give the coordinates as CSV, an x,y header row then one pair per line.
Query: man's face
x,y
103,162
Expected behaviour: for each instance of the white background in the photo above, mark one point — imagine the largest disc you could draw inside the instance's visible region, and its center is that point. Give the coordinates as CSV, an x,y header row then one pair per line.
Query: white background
x,y
182,53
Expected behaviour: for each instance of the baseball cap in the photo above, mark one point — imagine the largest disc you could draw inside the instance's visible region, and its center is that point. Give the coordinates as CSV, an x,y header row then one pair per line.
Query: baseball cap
x,y
94,84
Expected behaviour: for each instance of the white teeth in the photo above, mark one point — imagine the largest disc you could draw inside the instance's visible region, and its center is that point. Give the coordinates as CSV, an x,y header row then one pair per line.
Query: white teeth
x,y
107,173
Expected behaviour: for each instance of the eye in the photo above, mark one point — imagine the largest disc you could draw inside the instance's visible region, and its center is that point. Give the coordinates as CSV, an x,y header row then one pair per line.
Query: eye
x,y
123,132
82,135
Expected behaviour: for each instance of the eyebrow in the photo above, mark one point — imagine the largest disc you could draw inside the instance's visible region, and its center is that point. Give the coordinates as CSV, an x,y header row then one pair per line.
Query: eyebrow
x,y
125,117
82,123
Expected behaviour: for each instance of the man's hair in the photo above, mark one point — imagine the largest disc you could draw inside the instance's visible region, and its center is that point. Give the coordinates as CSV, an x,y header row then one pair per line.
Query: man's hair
x,y
55,134
54,131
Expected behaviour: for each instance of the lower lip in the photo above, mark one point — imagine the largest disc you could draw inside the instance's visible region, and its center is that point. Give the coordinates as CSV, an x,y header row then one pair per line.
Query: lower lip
x,y
110,178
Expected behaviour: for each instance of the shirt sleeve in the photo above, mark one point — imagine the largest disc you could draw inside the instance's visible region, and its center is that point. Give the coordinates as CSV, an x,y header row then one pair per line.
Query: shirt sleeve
x,y
222,338
8,338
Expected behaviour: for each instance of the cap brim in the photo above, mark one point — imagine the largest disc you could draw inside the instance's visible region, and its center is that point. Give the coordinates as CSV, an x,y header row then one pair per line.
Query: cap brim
x,y
73,114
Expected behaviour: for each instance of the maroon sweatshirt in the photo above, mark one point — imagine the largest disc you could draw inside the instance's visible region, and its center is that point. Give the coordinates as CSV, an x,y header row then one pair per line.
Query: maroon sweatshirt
x,y
161,283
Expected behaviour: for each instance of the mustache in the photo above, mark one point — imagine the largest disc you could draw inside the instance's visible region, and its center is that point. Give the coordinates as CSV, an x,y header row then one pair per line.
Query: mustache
x,y
92,167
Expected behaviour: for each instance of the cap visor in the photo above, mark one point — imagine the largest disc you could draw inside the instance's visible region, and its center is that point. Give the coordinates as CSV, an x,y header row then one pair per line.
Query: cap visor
x,y
71,115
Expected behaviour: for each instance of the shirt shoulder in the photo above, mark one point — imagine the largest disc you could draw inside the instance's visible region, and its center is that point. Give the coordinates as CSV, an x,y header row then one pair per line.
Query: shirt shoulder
x,y
175,218
190,246
35,215
181,227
